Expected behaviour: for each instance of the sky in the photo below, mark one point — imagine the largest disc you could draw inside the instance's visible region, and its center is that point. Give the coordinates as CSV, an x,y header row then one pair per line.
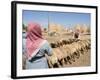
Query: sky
x,y
67,19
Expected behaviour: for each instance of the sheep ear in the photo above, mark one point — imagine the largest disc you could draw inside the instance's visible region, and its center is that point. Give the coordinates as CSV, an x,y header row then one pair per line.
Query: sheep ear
x,y
52,45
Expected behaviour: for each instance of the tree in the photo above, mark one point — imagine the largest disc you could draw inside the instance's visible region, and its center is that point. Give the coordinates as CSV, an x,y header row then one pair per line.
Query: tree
x,y
24,27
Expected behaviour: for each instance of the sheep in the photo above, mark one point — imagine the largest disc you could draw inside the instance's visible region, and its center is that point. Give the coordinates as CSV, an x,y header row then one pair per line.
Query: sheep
x,y
75,50
66,51
57,53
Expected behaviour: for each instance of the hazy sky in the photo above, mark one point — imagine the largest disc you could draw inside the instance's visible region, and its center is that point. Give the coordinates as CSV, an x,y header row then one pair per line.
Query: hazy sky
x,y
64,18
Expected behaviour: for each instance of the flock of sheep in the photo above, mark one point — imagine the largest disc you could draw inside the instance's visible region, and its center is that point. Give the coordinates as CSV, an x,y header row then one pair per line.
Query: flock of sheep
x,y
67,51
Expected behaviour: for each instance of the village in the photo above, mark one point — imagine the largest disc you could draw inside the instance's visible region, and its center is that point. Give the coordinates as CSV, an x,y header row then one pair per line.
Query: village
x,y
57,31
